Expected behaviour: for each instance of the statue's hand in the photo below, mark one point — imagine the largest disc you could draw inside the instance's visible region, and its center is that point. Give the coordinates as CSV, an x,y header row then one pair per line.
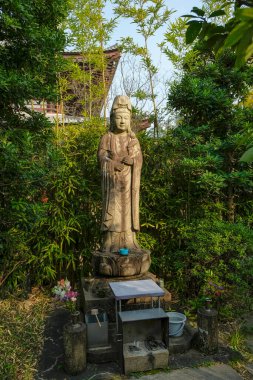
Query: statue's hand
x,y
128,160
119,167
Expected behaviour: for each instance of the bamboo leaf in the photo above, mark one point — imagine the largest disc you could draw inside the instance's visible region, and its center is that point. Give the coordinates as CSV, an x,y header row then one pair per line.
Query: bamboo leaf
x,y
249,51
236,34
245,14
247,156
241,50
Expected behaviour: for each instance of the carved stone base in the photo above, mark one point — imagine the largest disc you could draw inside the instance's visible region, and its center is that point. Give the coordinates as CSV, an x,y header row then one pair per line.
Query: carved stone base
x,y
116,265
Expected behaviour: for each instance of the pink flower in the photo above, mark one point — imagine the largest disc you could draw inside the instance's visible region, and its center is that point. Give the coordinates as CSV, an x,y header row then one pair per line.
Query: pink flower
x,y
70,294
64,293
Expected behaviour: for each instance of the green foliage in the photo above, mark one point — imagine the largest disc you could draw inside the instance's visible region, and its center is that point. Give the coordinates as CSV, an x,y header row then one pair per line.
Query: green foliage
x,y
236,33
55,222
196,195
73,208
89,32
22,156
175,36
233,33
181,34
30,43
247,156
190,243
183,214
31,40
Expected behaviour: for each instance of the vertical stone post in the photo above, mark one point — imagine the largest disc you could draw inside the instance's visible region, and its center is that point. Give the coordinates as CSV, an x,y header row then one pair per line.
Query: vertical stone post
x,y
208,330
74,337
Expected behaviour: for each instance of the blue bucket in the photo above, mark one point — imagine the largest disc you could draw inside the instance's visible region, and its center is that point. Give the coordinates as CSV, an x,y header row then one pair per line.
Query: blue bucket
x,y
176,323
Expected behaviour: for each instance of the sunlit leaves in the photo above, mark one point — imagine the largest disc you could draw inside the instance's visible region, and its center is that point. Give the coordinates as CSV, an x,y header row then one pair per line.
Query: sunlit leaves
x,y
241,36
89,33
237,33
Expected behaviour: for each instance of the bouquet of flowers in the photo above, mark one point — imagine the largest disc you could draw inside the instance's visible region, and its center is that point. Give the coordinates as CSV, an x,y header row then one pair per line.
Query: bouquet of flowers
x,y
63,292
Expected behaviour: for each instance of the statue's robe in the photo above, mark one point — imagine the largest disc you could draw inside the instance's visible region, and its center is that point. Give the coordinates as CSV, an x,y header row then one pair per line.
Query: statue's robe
x,y
121,189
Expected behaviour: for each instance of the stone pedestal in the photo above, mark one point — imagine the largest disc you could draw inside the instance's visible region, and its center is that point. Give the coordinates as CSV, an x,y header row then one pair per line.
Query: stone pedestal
x,y
144,360
144,340
74,338
107,264
208,330
181,344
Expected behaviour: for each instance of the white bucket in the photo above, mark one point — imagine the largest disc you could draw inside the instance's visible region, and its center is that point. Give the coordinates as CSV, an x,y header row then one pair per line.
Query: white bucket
x,y
176,323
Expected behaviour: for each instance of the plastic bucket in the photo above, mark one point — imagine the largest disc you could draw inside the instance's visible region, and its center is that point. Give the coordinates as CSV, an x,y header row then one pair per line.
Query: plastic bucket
x,y
176,323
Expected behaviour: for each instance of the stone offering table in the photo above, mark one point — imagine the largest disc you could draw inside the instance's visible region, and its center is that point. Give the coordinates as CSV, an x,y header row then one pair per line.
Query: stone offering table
x,y
125,290
142,334
96,293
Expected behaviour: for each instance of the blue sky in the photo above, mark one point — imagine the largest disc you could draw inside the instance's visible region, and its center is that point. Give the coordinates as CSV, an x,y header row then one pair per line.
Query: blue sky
x,y
180,7
125,28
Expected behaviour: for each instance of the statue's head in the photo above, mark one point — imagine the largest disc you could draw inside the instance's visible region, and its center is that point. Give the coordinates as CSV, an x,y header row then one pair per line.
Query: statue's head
x,y
120,116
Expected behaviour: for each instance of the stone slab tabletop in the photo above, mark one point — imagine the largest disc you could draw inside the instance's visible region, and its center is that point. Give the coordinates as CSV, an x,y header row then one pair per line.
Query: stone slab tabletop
x,y
123,290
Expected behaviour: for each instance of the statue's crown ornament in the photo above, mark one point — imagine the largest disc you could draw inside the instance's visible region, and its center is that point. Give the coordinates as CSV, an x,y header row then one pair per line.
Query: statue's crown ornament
x,y
121,101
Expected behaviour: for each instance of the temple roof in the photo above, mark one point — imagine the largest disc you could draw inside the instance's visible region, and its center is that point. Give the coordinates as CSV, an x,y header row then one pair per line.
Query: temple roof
x,y
76,107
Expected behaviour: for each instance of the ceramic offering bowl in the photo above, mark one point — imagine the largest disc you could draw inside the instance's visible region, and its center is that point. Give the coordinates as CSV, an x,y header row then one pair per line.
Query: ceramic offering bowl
x,y
123,251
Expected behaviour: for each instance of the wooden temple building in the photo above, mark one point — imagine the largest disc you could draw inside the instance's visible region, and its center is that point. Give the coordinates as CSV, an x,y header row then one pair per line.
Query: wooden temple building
x,y
75,107
76,103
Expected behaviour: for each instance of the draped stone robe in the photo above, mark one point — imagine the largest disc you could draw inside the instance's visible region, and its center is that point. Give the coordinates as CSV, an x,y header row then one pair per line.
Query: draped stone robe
x,y
120,189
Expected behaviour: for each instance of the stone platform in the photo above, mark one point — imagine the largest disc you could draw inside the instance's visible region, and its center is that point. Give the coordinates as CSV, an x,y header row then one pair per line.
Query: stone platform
x,y
111,264
181,344
95,293
51,360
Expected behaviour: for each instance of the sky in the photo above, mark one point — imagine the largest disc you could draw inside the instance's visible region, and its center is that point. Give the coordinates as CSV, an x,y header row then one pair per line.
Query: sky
x,y
125,28
180,7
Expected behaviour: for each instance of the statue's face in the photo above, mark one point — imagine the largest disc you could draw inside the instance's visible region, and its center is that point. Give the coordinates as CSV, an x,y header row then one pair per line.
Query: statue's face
x,y
122,119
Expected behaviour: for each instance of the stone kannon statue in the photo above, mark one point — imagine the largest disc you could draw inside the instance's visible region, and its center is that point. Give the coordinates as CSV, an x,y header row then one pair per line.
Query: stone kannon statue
x,y
121,161
120,158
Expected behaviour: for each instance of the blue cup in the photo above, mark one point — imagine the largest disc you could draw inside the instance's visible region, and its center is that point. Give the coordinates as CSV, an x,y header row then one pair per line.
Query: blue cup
x,y
123,251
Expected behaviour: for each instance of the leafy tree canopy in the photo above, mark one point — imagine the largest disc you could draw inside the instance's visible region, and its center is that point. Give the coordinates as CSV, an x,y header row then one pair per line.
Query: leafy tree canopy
x,y
30,41
236,33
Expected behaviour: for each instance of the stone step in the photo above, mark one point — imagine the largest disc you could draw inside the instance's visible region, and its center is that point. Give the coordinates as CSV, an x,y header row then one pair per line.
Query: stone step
x,y
102,354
